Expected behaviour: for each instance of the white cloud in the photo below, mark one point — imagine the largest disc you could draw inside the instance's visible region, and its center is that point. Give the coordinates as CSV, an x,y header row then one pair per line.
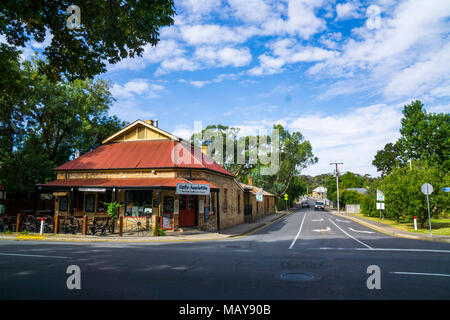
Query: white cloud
x,y
177,64
136,87
301,20
221,57
404,56
165,50
422,76
288,51
352,137
183,132
347,10
253,11
212,34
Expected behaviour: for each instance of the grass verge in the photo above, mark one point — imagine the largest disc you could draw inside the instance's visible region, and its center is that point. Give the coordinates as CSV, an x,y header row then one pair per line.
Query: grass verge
x,y
438,226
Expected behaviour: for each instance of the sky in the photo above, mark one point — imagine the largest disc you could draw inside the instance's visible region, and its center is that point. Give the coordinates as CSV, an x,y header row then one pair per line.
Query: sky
x,y
339,72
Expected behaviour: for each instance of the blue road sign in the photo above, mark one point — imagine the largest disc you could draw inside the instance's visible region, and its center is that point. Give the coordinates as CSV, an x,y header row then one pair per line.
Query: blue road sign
x,y
446,189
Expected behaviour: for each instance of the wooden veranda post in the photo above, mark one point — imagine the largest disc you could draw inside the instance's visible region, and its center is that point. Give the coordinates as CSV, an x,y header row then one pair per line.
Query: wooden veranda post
x,y
84,225
56,224
18,222
121,226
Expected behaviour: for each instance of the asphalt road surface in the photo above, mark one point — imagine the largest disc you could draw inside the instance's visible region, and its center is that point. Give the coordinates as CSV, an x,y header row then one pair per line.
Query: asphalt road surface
x,y
306,255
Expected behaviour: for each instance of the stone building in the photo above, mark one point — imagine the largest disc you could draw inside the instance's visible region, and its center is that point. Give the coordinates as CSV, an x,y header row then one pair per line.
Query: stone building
x,y
257,202
154,175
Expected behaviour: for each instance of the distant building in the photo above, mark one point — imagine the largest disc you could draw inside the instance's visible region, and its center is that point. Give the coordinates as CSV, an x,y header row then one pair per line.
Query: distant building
x,y
254,209
319,192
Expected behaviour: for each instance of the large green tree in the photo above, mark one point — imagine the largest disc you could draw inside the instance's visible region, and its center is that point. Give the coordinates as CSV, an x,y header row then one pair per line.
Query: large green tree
x,y
228,144
403,196
424,136
387,158
56,120
295,155
110,31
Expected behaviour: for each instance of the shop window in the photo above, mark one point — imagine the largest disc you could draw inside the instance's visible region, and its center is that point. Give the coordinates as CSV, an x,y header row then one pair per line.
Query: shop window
x,y
78,201
63,203
103,197
139,203
168,204
89,203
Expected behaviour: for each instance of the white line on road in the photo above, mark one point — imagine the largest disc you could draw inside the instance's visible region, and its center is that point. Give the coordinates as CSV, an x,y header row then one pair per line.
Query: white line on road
x,y
422,274
317,220
322,230
31,255
346,221
298,233
383,249
361,231
366,245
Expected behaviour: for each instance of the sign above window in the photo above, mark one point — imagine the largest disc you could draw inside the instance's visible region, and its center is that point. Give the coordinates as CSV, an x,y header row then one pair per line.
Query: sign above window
x,y
92,190
193,189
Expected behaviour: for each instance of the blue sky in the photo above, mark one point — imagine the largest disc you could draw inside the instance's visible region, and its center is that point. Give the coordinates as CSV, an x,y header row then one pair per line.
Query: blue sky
x,y
337,71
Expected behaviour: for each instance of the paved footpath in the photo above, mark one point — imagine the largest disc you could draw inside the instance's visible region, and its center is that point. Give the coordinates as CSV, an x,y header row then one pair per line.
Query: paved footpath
x,y
188,235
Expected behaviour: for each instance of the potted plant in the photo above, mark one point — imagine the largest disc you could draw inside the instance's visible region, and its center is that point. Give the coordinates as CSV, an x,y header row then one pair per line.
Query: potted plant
x,y
111,209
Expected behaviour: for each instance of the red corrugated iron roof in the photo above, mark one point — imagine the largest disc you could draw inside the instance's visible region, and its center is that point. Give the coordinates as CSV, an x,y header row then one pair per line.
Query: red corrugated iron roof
x,y
124,182
143,155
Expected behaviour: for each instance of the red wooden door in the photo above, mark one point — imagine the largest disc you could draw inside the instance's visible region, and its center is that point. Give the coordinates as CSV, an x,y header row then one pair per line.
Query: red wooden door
x,y
187,211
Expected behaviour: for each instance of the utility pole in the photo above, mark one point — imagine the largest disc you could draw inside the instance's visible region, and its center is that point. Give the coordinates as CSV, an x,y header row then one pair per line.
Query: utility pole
x,y
337,182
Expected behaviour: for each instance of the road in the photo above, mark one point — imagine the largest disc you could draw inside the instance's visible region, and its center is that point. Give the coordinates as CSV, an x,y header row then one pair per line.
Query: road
x,y
306,255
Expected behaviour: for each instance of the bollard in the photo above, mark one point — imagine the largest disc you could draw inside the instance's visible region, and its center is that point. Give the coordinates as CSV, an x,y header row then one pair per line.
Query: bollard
x,y
56,226
42,226
84,225
18,222
121,226
415,223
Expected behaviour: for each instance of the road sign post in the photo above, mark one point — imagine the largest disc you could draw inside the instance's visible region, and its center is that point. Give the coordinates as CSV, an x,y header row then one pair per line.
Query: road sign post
x,y
286,198
380,206
428,189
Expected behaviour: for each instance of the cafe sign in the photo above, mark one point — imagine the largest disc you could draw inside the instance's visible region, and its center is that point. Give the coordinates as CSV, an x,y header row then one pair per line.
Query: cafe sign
x,y
192,189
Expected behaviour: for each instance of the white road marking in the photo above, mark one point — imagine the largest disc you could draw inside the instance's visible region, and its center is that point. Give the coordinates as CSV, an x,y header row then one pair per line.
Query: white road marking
x,y
317,220
32,255
384,249
298,233
422,274
361,231
346,221
322,230
349,235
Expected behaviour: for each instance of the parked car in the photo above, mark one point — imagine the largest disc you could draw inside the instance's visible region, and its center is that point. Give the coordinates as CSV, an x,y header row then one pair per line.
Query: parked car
x,y
305,204
319,205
